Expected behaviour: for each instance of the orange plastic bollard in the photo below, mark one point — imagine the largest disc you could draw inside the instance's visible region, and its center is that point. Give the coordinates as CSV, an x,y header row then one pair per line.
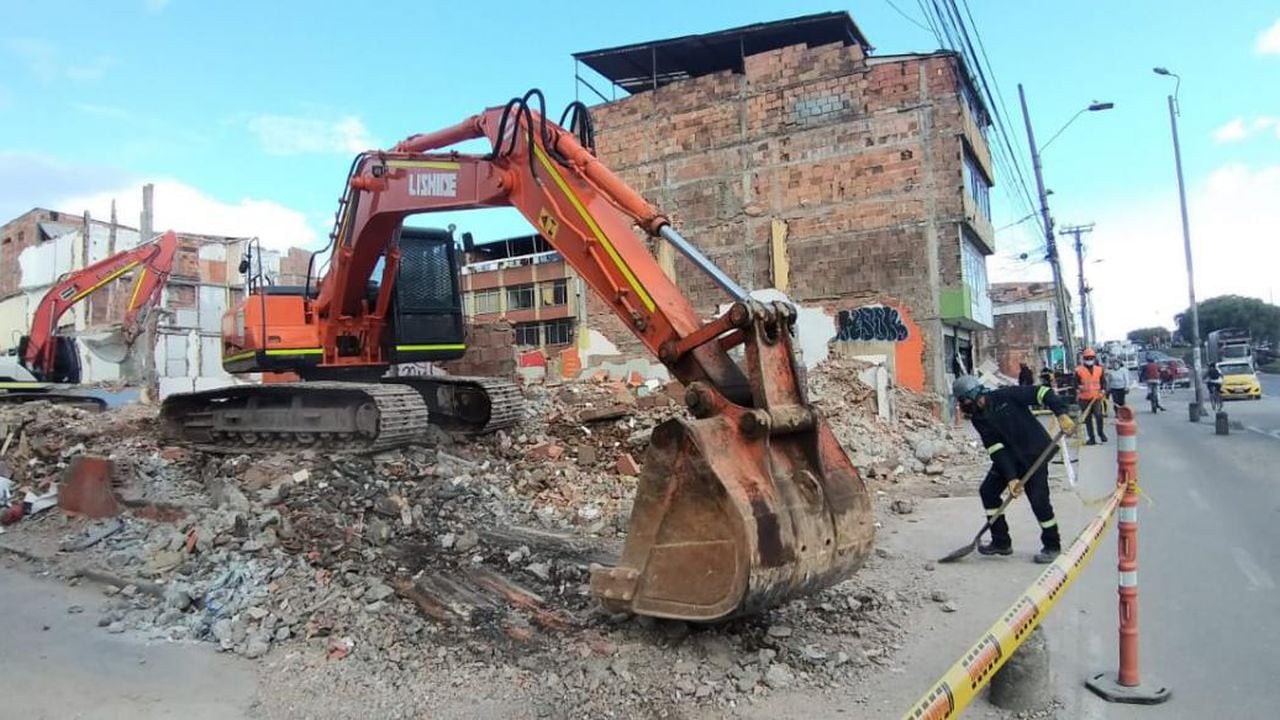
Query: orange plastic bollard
x,y
1126,686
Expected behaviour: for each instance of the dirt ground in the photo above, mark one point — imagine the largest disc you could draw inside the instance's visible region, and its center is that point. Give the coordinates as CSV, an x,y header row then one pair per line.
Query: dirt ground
x,y
448,579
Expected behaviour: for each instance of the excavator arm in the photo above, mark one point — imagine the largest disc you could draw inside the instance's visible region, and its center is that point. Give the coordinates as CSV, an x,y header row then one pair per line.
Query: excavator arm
x,y
152,262
750,502
580,207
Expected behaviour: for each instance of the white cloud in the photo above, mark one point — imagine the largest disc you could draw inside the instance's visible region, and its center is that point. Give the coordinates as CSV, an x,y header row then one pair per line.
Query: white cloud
x,y
291,135
1238,129
155,6
40,56
93,70
1232,131
44,61
1269,41
1142,280
185,208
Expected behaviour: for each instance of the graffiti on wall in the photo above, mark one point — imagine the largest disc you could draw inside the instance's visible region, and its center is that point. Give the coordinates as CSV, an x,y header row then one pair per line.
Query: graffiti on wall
x,y
868,328
871,323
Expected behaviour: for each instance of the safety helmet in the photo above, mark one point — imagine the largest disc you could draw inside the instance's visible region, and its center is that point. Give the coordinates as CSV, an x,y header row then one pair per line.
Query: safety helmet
x,y
1089,353
967,387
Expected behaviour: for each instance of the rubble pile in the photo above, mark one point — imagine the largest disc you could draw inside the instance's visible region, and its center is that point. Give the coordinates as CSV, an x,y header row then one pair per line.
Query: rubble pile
x,y
465,558
911,450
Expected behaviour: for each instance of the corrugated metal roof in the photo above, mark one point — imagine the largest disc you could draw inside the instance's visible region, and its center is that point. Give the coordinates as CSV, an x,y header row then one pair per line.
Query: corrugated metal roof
x,y
50,230
644,66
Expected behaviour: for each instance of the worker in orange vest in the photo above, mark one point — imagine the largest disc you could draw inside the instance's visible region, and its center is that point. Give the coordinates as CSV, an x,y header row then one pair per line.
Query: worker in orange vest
x,y
1089,387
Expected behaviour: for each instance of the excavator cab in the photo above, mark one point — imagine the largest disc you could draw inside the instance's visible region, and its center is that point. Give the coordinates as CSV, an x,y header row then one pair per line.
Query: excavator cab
x,y
426,308
66,360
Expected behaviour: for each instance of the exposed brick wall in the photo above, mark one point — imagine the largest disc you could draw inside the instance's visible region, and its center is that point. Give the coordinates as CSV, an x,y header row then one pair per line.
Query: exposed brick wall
x,y
17,235
860,160
293,266
490,351
1017,338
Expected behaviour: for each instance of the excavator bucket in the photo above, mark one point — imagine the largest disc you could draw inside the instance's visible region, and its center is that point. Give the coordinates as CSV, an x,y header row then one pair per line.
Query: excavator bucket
x,y
742,508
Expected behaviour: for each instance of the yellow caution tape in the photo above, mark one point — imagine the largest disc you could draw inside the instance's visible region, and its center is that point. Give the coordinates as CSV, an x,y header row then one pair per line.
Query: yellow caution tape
x,y
967,676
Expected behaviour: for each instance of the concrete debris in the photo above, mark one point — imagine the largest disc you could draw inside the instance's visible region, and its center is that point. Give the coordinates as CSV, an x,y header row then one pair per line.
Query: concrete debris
x,y
470,559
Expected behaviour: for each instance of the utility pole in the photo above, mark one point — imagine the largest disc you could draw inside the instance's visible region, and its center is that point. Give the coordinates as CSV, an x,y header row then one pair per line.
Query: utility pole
x,y
150,381
1050,242
1087,331
1197,408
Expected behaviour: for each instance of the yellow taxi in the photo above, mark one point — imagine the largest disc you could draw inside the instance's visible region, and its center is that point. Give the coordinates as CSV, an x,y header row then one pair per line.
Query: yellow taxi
x,y
1239,381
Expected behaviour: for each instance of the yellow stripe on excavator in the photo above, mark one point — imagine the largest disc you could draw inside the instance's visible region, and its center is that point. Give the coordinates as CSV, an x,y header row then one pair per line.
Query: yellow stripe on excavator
x,y
105,280
274,353
424,164
137,286
595,228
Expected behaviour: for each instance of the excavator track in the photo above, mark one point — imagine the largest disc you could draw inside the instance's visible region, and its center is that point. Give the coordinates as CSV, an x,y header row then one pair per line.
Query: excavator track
x,y
335,417
84,402
471,404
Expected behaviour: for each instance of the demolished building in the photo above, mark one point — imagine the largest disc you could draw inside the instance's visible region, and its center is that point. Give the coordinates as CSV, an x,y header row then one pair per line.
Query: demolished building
x,y
41,245
797,160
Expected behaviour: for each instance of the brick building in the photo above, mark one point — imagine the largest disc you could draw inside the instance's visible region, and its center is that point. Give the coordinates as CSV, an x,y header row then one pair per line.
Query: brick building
x,y
39,246
1026,326
797,160
524,281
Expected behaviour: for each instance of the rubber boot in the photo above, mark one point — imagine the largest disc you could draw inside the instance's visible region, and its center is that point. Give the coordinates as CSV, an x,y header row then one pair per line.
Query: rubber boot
x,y
996,547
1045,556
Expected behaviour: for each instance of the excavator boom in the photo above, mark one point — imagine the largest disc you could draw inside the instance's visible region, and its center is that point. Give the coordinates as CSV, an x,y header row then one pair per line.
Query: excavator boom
x,y
152,262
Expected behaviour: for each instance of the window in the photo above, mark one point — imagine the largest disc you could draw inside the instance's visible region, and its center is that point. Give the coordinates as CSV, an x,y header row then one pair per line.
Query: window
x,y
8,239
554,293
559,332
973,269
977,186
520,297
527,334
486,301
976,113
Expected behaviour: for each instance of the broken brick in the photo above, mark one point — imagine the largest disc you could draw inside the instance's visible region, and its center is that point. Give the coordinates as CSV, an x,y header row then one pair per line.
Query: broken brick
x,y
627,465
546,451
612,412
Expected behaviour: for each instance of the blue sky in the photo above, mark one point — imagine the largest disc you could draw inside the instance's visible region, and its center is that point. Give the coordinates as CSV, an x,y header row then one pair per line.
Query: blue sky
x,y
247,114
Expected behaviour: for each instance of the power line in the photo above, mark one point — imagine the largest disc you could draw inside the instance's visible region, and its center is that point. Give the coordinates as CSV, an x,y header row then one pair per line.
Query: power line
x,y
933,28
907,17
995,80
957,33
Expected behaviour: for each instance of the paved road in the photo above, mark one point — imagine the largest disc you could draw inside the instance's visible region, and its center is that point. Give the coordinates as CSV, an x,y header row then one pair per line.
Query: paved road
x,y
58,665
1209,565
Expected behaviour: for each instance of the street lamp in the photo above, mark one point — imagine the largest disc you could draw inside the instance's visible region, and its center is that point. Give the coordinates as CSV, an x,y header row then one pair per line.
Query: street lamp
x,y
1050,243
1196,408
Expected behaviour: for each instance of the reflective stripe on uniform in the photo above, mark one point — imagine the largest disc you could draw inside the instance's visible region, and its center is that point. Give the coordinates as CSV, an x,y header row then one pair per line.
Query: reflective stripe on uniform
x,y
1049,523
993,449
992,512
1044,390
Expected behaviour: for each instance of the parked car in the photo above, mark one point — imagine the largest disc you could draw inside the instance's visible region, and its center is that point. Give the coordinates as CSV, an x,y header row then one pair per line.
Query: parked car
x,y
1239,381
1175,372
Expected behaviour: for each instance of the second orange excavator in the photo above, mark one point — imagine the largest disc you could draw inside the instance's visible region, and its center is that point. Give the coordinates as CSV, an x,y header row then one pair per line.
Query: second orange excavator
x,y
749,502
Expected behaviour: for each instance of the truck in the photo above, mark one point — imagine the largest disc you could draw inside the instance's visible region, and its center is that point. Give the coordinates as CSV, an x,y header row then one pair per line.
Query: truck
x,y
1229,344
1129,354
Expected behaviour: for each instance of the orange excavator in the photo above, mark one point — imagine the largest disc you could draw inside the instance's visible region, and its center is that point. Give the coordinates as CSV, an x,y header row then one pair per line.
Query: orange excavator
x,y
749,502
46,358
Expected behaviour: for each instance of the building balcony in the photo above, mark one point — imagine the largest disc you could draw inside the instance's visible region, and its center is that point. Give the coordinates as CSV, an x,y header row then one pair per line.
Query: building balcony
x,y
977,143
981,229
510,263
961,308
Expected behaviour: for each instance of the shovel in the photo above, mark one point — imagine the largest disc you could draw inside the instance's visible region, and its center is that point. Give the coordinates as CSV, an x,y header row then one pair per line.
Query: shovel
x,y
1015,490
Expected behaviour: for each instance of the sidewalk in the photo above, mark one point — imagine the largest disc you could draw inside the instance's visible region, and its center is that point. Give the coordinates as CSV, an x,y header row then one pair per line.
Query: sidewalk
x,y
980,587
